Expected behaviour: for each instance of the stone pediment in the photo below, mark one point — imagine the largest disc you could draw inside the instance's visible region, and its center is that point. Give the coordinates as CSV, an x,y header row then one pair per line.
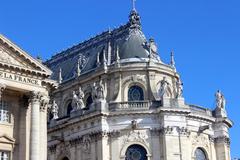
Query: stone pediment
x,y
13,57
6,139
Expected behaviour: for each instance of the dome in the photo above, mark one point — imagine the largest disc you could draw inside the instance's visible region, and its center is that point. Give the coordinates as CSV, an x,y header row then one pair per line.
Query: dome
x,y
134,46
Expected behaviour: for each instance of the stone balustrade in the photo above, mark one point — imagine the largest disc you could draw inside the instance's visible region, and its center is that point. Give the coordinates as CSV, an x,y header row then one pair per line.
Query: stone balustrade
x,y
200,110
133,106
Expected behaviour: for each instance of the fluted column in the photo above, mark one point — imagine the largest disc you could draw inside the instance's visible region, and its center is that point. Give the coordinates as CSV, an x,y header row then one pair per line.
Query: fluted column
x,y
43,127
35,119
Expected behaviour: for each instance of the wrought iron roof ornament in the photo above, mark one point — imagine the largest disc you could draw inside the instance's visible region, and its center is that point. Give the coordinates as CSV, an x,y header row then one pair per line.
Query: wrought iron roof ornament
x,y
172,61
134,18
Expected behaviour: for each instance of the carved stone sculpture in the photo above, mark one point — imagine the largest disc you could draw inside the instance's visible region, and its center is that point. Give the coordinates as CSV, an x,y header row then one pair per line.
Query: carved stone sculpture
x,y
54,110
179,85
163,88
220,100
100,90
77,101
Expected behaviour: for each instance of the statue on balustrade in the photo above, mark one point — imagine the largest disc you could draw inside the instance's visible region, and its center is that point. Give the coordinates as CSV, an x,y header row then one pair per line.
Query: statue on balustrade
x,y
163,91
179,88
220,100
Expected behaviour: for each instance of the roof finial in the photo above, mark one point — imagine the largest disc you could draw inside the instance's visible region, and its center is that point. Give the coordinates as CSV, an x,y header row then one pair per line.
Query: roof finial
x,y
117,56
172,62
78,68
104,60
98,59
133,4
60,75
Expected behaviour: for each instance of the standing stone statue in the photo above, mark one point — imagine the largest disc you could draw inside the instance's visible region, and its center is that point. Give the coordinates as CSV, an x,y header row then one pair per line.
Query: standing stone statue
x,y
220,100
100,90
54,110
179,85
163,88
94,92
77,100
81,96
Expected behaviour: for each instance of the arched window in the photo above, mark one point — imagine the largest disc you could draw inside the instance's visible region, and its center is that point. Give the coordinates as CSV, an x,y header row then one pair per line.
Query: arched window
x,y
4,112
69,108
200,154
89,101
65,158
136,152
135,93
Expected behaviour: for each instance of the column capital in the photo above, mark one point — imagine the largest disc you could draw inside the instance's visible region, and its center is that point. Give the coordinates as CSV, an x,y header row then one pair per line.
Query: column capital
x,y
35,96
2,88
44,102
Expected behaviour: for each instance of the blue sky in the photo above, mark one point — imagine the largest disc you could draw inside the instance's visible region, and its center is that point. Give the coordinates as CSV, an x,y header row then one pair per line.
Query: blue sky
x,y
204,34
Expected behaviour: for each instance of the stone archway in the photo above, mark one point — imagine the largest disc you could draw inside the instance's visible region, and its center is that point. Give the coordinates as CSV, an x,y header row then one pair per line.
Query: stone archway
x,y
65,158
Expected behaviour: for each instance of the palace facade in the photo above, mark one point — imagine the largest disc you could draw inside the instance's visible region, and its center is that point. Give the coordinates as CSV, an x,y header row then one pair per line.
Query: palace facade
x,y
24,94
115,100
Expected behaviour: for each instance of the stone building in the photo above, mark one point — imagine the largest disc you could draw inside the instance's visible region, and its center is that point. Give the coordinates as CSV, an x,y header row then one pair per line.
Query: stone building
x,y
117,100
24,92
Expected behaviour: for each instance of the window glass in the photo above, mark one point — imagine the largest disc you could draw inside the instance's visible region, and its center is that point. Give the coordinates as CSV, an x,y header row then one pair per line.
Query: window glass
x,y
69,108
135,93
89,101
136,152
4,155
200,154
4,113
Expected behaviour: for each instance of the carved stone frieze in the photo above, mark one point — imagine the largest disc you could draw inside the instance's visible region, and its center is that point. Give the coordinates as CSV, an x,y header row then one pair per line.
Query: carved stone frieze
x,y
86,144
200,141
135,136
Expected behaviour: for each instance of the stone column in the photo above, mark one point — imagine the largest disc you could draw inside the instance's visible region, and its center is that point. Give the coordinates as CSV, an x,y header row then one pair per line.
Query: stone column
x,y
43,127
34,131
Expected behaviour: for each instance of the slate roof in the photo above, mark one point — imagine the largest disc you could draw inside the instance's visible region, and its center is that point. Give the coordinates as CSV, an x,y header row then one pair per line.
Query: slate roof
x,y
129,38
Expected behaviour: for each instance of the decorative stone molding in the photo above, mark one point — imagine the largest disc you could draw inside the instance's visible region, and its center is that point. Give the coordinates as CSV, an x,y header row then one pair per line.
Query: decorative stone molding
x,y
155,132
114,134
52,149
200,141
135,136
223,139
167,130
183,131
